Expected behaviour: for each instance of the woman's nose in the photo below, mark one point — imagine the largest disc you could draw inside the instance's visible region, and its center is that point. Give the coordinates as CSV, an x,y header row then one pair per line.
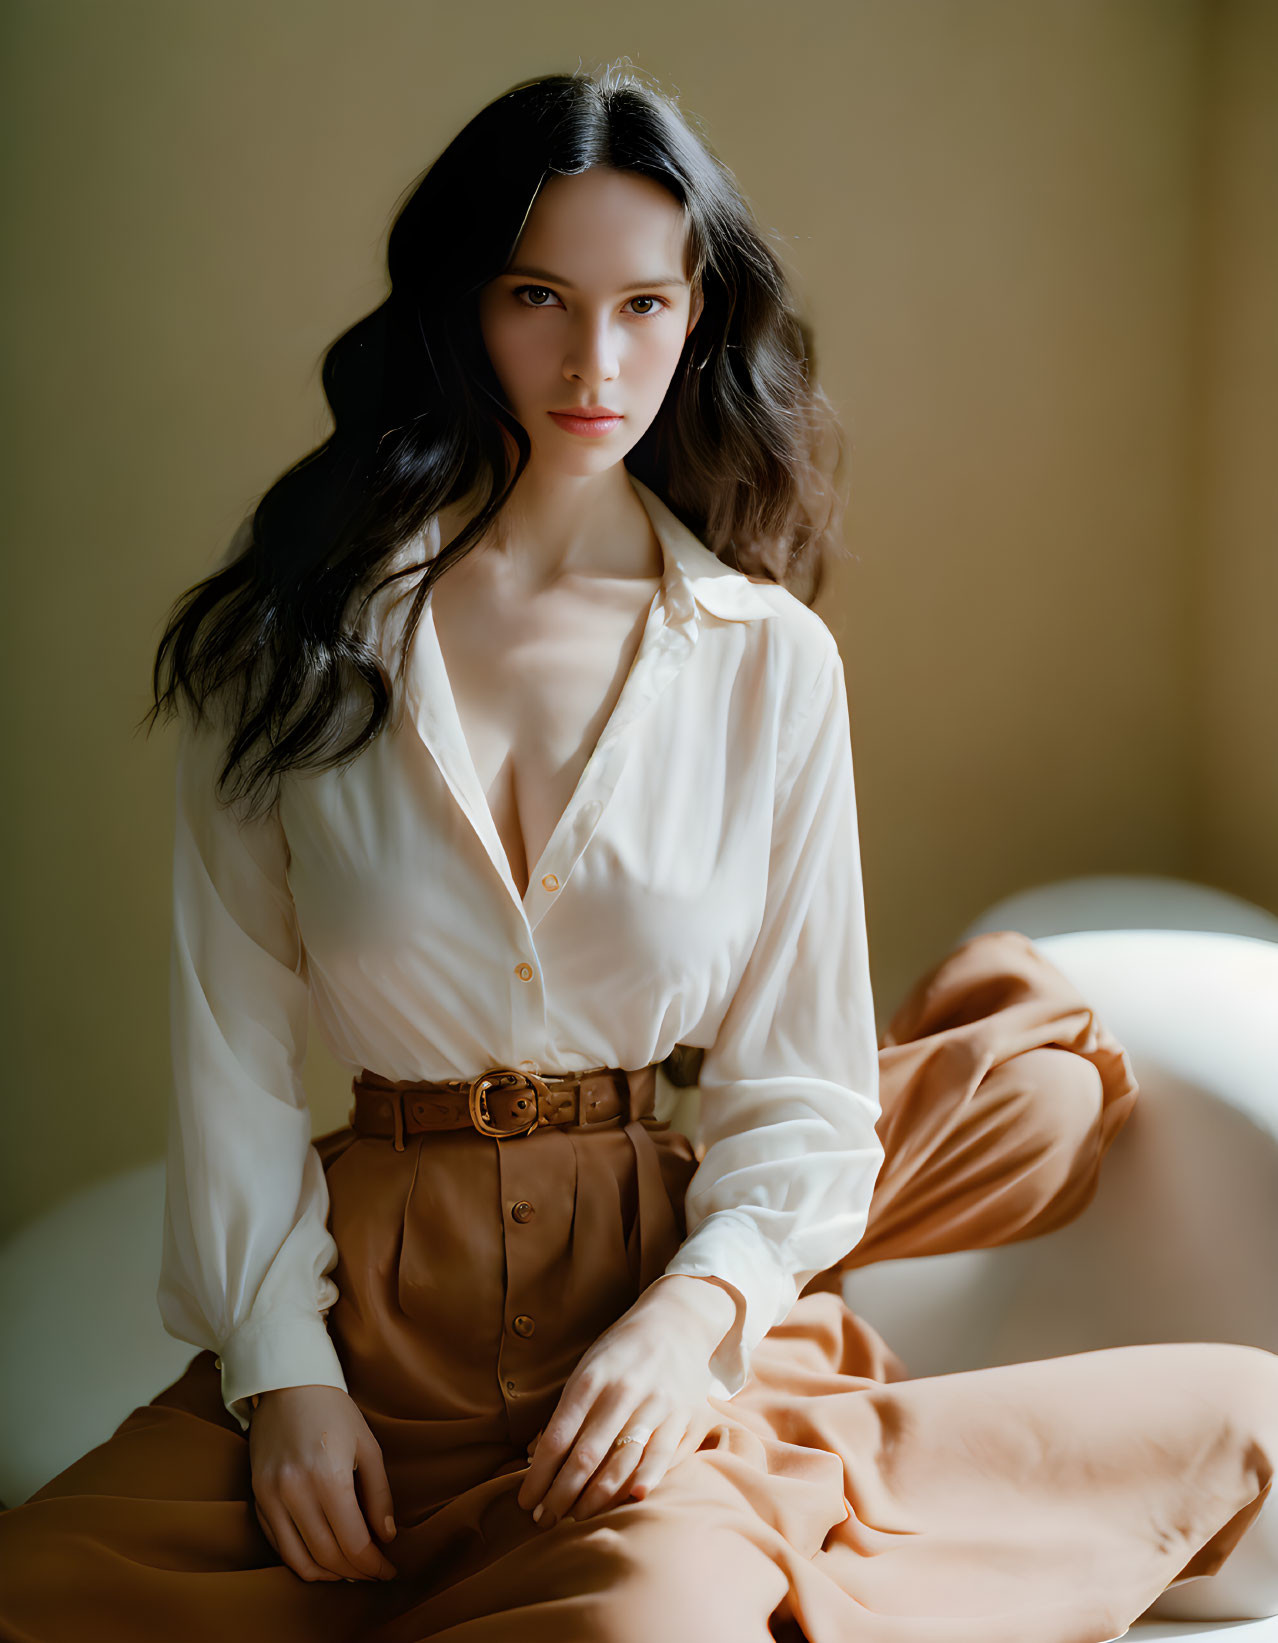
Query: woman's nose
x,y
592,355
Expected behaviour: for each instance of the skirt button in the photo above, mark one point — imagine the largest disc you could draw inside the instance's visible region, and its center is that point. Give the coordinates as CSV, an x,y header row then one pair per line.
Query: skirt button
x,y
524,1324
523,1210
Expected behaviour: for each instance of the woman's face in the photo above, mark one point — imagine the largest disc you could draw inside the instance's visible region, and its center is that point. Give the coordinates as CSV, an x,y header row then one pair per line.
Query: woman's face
x,y
591,313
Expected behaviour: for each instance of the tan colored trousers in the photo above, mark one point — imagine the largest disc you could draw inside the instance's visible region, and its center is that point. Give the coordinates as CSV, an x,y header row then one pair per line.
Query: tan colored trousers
x,y
833,1500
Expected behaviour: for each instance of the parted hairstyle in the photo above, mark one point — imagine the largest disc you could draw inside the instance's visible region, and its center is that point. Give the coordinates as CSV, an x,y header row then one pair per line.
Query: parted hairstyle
x,y
739,450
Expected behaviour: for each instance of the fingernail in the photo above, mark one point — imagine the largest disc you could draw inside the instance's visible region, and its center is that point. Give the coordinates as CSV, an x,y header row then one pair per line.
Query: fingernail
x,y
388,1574
389,1526
537,1511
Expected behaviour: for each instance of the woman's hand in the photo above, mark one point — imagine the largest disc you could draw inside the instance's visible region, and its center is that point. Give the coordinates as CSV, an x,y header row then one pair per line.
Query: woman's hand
x,y
307,1444
648,1374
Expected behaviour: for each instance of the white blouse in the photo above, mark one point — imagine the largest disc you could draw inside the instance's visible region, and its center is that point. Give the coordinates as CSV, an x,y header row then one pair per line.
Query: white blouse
x,y
703,887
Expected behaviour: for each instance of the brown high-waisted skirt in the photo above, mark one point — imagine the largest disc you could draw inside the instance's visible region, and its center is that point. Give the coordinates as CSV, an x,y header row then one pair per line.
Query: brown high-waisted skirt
x,y
834,1499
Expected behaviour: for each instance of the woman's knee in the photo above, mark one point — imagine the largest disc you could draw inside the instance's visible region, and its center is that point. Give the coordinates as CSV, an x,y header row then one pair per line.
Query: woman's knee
x,y
1048,1102
1244,1381
1245,1587
684,1585
53,1579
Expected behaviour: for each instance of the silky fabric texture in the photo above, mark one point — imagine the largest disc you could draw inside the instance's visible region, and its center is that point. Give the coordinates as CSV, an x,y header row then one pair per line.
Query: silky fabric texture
x,y
702,888
833,1499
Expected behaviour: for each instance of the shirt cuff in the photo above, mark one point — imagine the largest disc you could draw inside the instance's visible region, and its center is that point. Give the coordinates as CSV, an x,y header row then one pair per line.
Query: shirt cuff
x,y
283,1349
729,1246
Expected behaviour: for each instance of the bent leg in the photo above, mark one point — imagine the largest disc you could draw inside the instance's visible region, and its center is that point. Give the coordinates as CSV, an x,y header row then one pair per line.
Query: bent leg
x,y
1245,1585
1245,1589
647,1572
1053,1498
1080,1486
1007,1160
1001,1094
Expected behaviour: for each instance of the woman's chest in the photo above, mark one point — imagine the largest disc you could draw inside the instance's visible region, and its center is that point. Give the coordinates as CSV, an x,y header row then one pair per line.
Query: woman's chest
x,y
660,860
533,683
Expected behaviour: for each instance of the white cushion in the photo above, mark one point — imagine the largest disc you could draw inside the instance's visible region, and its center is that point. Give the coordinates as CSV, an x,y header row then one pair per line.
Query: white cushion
x,y
1178,1242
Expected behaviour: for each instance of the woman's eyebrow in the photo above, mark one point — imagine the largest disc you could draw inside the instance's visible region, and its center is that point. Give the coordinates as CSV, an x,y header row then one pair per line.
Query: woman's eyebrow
x,y
556,279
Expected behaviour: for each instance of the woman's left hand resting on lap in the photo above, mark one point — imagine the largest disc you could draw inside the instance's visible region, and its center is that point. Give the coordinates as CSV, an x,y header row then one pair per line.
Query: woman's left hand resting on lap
x,y
649,1373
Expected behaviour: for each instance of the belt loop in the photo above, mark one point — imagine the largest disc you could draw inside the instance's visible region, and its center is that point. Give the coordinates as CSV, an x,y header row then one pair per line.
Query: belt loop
x,y
397,1107
640,1091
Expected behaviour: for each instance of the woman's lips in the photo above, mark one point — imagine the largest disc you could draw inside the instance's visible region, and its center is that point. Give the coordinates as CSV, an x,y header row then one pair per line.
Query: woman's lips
x,y
592,426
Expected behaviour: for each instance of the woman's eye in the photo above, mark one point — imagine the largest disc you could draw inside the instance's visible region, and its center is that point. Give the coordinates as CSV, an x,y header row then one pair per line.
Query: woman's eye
x,y
542,291
539,289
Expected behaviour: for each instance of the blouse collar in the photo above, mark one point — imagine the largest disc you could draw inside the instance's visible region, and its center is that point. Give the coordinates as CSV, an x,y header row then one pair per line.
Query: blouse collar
x,y
692,567
692,575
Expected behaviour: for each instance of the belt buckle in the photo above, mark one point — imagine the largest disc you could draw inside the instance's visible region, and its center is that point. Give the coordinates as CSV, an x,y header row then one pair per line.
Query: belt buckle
x,y
480,1116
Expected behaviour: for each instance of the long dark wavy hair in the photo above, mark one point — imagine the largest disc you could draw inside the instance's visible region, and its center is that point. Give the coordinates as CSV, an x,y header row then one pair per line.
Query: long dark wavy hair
x,y
745,448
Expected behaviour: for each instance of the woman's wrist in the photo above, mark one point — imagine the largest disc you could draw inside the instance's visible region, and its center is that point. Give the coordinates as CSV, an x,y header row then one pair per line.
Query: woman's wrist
x,y
707,1302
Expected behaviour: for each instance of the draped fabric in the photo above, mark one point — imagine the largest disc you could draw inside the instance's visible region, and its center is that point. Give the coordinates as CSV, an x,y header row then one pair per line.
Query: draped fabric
x,y
832,1498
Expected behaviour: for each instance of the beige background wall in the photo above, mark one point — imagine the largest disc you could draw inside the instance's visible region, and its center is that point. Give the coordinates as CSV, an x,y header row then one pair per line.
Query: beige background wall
x,y
1039,247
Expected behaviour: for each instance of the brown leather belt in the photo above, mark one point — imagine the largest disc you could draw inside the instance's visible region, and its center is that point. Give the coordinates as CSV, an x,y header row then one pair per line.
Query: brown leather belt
x,y
503,1101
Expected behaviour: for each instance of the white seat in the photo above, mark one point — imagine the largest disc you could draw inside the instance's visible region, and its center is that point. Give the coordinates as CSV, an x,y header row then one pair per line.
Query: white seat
x,y
1177,1244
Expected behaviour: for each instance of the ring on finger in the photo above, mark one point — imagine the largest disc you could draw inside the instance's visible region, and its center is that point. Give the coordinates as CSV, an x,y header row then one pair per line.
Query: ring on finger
x,y
618,1447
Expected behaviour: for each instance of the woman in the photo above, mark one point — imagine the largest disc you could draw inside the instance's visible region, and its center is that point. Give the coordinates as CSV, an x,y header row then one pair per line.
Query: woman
x,y
507,1353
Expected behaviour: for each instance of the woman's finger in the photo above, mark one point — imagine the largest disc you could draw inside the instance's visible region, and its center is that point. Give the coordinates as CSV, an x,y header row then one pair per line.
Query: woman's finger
x,y
612,1415
612,1480
553,1444
374,1488
580,1402
350,1530
668,1443
311,1523
289,1545
609,1486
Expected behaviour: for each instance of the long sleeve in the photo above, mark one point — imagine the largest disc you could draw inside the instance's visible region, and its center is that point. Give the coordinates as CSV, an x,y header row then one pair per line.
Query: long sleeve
x,y
789,1089
246,1249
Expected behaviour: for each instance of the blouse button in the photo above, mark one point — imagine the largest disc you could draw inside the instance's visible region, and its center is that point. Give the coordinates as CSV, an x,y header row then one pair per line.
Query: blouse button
x,y
551,882
524,972
523,1210
524,1324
